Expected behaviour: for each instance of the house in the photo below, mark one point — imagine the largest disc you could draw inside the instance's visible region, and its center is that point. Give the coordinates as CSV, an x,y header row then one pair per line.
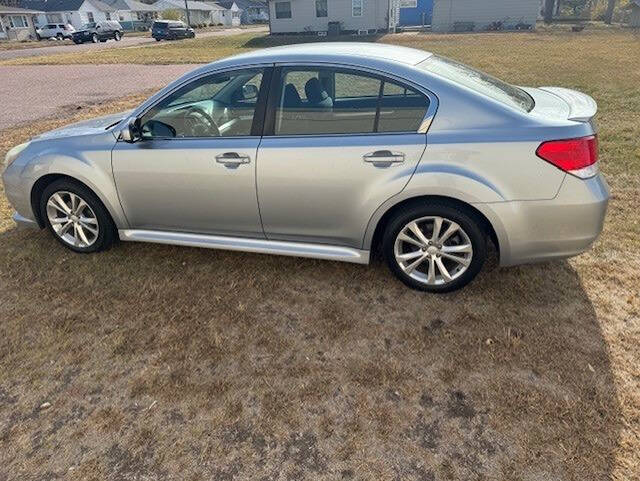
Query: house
x,y
251,11
74,12
634,13
132,14
224,16
200,13
17,23
296,16
414,12
467,15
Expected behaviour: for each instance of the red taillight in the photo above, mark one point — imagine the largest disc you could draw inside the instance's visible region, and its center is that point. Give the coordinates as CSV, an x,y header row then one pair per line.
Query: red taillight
x,y
576,156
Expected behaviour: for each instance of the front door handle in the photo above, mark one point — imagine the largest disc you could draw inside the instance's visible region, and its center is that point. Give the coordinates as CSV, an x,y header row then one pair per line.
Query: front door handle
x,y
232,159
384,157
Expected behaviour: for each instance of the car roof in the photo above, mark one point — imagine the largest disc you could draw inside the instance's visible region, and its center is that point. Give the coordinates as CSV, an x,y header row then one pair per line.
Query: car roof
x,y
334,51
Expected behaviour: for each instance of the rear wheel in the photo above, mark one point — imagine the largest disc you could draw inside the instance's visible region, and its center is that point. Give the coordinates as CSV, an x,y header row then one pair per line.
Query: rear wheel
x,y
437,247
76,217
94,38
59,36
116,36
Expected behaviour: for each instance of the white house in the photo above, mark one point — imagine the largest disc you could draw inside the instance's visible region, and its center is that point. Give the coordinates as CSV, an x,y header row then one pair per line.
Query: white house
x,y
74,12
199,12
249,11
17,23
295,16
132,14
222,15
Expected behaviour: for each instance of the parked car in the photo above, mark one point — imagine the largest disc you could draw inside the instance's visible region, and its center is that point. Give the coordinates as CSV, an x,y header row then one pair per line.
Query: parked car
x,y
55,30
99,32
331,151
171,30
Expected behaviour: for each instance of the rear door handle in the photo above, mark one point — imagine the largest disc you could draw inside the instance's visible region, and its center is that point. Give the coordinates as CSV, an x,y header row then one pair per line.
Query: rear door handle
x,y
384,157
232,159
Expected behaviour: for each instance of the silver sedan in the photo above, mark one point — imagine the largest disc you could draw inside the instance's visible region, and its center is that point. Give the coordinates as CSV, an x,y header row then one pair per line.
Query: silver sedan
x,y
331,151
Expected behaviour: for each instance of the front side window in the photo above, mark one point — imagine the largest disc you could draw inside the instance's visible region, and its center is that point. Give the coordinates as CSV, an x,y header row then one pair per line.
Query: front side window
x,y
356,8
321,8
317,101
283,9
220,105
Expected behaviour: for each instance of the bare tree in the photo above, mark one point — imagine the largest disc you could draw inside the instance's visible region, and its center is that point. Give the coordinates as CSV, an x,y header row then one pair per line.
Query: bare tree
x,y
548,11
608,14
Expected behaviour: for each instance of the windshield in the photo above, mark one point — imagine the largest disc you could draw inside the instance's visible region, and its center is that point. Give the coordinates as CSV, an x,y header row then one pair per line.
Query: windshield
x,y
89,25
479,81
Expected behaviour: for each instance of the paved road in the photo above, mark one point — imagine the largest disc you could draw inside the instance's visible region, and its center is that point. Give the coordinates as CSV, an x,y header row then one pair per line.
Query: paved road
x,y
125,42
32,92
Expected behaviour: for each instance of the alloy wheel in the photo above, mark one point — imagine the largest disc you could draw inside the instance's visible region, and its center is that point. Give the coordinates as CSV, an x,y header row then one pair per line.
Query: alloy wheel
x,y
433,250
72,219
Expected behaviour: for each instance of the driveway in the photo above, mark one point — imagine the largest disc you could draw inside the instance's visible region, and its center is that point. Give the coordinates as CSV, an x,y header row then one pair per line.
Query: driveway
x,y
29,93
125,42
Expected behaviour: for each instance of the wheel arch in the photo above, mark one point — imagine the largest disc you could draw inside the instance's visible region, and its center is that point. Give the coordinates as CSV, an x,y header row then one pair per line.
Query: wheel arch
x,y
43,182
373,238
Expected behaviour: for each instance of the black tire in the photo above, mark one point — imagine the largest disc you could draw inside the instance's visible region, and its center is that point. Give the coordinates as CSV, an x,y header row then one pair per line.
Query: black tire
x,y
465,218
94,38
106,227
59,36
158,39
117,36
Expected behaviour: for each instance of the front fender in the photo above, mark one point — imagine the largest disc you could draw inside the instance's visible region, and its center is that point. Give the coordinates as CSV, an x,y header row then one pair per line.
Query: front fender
x,y
91,167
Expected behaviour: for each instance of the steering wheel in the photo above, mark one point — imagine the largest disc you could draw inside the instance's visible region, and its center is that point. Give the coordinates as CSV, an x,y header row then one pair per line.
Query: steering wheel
x,y
199,123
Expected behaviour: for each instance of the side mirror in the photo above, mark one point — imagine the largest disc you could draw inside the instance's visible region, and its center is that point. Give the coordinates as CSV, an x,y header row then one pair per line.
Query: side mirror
x,y
131,133
249,91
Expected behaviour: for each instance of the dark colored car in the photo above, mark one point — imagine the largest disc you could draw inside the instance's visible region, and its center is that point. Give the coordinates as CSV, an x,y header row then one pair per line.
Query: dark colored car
x,y
171,30
98,31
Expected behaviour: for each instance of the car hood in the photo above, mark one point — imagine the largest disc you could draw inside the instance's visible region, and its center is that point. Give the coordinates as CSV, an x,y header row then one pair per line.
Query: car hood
x,y
86,127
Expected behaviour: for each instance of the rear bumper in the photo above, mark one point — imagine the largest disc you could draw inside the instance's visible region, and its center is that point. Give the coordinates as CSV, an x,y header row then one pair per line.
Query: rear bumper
x,y
534,231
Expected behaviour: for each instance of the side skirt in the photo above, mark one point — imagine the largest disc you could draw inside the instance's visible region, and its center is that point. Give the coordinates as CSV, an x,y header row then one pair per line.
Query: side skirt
x,y
260,246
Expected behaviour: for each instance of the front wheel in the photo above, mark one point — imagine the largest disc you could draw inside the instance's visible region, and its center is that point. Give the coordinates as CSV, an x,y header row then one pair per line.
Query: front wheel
x,y
94,38
59,36
116,36
76,217
436,247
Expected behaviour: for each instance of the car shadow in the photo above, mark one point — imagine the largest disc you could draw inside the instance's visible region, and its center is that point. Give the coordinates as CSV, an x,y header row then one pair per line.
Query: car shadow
x,y
165,362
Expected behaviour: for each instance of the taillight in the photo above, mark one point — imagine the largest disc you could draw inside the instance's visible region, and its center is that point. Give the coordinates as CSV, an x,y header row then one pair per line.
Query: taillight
x,y
575,156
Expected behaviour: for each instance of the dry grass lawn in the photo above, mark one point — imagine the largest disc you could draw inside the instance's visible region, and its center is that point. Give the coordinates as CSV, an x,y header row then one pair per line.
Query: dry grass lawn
x,y
169,363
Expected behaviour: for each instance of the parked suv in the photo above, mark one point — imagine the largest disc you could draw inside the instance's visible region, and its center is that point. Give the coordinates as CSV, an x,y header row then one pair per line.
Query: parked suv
x,y
171,30
55,30
98,31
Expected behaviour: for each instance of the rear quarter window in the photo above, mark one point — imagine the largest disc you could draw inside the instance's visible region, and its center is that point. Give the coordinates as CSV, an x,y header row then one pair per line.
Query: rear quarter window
x,y
481,82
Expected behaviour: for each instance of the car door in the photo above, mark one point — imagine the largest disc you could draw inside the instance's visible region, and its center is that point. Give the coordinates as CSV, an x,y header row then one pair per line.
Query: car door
x,y
338,143
193,169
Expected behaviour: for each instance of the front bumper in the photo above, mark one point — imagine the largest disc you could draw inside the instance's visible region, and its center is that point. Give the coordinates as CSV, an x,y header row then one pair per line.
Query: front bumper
x,y
534,231
24,222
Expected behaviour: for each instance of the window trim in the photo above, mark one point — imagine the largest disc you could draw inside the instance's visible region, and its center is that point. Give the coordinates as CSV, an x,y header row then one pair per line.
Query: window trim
x,y
275,93
23,19
257,126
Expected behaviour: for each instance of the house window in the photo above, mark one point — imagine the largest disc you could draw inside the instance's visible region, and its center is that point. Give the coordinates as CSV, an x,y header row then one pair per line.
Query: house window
x,y
408,3
107,15
90,16
18,21
321,8
356,8
283,9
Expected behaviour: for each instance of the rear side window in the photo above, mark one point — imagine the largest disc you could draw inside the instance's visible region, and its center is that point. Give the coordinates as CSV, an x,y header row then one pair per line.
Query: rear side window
x,y
479,81
318,101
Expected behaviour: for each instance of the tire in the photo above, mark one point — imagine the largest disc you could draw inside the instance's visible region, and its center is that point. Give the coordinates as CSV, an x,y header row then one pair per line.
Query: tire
x,y
116,36
467,230
98,228
158,39
59,36
94,38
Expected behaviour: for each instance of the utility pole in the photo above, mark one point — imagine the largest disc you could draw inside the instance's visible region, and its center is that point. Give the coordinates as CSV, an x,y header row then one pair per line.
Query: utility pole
x,y
186,7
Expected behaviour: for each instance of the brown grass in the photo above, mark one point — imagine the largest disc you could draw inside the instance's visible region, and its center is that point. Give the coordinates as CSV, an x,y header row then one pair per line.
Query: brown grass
x,y
175,363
